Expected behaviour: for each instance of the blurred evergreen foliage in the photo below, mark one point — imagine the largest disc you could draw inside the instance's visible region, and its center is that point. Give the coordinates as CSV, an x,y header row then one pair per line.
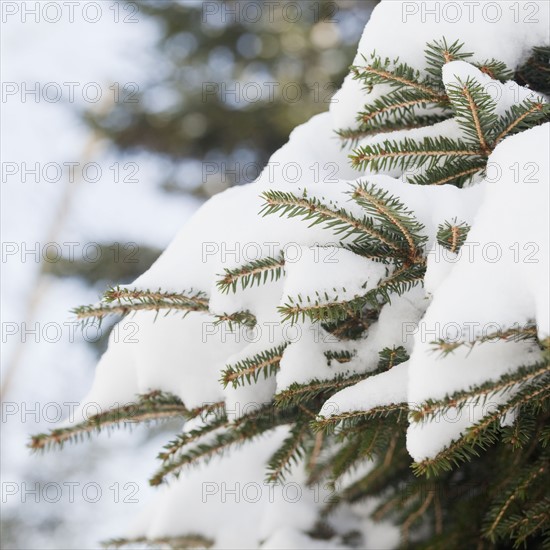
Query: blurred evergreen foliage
x,y
234,78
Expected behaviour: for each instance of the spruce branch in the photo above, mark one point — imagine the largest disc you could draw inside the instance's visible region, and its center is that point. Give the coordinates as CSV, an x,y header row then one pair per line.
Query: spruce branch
x,y
515,493
397,411
390,357
521,433
321,308
405,121
407,153
456,172
326,309
391,467
398,111
530,521
535,72
206,410
174,446
395,105
404,503
123,301
154,406
516,333
497,70
339,356
485,433
544,437
176,543
480,394
521,117
400,281
201,452
364,441
352,135
315,390
255,272
416,515
314,453
239,431
239,318
450,159
352,327
438,53
398,222
475,112
339,220
452,235
249,369
291,452
348,456
399,76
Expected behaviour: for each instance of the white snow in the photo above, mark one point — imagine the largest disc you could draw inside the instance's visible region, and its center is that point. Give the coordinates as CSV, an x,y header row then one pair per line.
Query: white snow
x,y
382,389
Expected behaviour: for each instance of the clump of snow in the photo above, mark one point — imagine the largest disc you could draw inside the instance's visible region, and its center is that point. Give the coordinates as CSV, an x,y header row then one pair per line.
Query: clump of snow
x,y
503,283
332,271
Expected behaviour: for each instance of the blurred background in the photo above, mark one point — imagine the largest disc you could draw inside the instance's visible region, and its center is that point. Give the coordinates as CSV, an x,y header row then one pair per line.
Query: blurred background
x,y
118,120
